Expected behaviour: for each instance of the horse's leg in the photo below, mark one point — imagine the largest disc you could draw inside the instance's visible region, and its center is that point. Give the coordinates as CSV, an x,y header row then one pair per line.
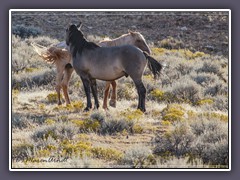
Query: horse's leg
x,y
113,100
60,70
107,87
65,83
86,85
95,92
141,94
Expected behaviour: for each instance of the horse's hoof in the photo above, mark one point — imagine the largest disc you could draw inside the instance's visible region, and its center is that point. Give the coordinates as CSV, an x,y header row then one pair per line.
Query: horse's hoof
x,y
112,103
86,109
142,109
59,103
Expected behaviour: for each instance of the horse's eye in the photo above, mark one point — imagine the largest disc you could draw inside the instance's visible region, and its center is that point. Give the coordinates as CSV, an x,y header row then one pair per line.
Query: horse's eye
x,y
139,41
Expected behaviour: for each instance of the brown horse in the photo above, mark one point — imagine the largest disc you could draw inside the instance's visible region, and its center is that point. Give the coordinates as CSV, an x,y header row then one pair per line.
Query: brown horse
x,y
59,55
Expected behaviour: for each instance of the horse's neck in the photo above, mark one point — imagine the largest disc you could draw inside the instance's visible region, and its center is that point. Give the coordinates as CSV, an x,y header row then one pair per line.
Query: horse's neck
x,y
122,40
77,46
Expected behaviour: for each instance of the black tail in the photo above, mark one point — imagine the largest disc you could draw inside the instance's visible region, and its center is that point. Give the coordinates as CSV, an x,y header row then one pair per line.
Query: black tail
x,y
153,65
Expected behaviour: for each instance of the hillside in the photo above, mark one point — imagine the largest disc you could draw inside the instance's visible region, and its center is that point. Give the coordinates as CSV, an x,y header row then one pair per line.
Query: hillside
x,y
196,31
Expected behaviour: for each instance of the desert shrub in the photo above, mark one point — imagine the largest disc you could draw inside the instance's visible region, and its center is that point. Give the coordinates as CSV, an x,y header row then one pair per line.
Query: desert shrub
x,y
113,126
126,90
22,151
185,91
184,68
79,149
132,115
75,106
205,79
87,125
173,112
138,156
98,116
175,142
53,97
183,162
210,67
85,162
20,122
205,138
171,43
26,31
221,103
55,131
43,40
31,80
49,144
218,88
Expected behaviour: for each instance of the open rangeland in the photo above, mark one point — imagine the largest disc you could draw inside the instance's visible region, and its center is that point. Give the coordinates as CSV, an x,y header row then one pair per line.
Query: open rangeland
x,y
186,120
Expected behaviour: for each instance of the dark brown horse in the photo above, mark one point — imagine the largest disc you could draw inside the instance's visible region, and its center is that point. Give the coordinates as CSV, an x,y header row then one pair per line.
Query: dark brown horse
x,y
92,62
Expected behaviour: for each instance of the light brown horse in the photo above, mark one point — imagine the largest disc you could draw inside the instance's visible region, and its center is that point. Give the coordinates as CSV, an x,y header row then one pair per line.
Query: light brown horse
x,y
59,55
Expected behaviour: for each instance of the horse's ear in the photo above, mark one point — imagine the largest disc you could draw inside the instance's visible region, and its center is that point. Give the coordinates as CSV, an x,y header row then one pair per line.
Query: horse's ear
x,y
131,32
79,25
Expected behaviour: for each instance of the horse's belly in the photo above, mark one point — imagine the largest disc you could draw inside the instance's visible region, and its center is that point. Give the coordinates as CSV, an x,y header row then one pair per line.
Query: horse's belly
x,y
106,75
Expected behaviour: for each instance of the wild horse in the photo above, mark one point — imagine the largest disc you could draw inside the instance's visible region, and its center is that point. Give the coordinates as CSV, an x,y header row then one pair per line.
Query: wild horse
x,y
60,56
92,62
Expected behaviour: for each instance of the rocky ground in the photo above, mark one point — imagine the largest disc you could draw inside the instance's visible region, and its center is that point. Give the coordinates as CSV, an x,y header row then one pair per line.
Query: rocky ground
x,y
197,31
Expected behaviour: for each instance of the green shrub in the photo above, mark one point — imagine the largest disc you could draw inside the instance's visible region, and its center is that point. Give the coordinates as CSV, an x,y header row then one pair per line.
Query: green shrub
x,y
26,31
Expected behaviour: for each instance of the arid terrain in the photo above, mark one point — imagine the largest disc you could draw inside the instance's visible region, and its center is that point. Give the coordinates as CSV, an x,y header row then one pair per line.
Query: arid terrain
x,y
186,122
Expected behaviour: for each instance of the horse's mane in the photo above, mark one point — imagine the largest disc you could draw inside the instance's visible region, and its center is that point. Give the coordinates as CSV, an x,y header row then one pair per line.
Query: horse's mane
x,y
79,42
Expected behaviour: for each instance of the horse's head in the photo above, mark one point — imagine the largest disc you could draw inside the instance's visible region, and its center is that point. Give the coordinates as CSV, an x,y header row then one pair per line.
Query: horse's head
x,y
139,41
73,32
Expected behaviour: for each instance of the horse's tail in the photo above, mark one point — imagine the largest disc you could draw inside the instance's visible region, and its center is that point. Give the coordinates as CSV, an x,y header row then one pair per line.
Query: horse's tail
x,y
153,65
51,54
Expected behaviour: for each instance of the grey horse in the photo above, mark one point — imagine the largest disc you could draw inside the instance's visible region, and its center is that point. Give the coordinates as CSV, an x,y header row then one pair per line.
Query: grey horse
x,y
92,62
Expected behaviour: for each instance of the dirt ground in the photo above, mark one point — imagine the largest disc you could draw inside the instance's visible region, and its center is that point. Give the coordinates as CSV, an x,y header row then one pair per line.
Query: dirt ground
x,y
198,31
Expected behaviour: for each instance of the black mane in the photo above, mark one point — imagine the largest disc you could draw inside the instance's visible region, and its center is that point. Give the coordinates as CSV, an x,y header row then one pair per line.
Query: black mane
x,y
78,41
